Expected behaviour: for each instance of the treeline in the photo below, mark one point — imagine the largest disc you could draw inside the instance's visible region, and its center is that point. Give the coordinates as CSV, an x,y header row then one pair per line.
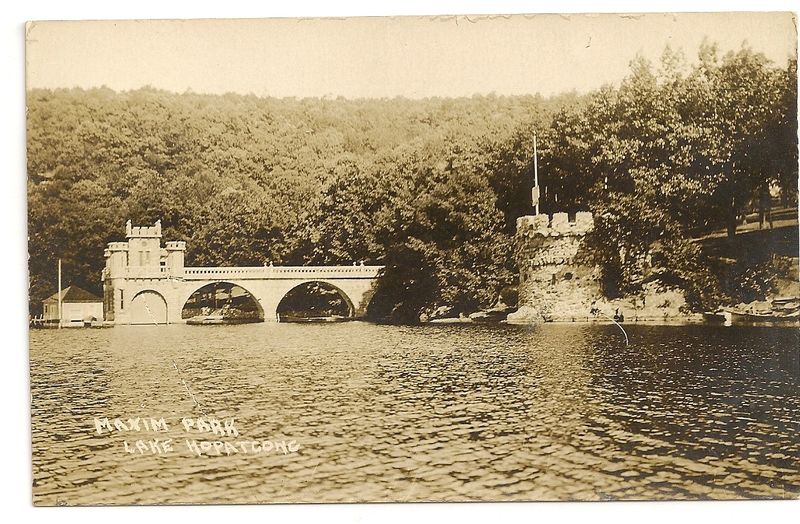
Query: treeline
x,y
677,151
430,188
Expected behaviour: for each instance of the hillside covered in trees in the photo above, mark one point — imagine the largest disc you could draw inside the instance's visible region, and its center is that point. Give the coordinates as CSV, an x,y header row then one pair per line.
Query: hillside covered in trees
x,y
430,188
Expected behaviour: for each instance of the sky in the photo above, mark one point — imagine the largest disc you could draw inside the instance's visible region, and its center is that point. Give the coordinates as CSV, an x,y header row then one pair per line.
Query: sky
x,y
373,57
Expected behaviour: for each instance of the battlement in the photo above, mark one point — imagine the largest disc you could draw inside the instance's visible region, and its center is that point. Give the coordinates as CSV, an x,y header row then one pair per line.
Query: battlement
x,y
117,246
143,231
176,245
558,225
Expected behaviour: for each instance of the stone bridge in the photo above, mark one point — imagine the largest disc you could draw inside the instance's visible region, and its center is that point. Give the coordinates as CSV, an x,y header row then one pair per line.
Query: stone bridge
x,y
145,283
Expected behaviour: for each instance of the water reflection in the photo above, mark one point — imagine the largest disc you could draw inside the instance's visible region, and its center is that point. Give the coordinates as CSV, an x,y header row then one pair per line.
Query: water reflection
x,y
381,413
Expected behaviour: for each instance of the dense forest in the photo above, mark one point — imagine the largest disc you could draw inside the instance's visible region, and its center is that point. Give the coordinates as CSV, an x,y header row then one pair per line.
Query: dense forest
x,y
429,188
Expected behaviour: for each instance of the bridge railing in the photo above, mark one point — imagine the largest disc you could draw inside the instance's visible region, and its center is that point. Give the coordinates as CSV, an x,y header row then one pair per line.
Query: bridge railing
x,y
275,272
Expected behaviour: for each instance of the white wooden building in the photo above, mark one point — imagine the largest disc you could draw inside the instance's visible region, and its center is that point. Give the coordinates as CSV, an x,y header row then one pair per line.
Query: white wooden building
x,y
78,305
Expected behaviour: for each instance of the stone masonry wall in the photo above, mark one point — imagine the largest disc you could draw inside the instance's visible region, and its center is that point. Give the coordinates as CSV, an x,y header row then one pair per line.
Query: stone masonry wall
x,y
554,284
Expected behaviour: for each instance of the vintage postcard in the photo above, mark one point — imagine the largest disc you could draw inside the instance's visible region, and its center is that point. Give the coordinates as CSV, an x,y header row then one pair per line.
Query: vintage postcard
x,y
401,259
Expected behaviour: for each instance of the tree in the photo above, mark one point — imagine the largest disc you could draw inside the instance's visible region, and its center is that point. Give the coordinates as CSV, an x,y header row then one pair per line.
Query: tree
x,y
74,225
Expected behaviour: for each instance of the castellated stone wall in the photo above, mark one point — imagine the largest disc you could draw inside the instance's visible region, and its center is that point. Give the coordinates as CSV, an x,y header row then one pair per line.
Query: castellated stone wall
x,y
554,283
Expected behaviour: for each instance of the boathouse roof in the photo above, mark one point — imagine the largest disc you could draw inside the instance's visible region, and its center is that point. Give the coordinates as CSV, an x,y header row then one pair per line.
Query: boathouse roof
x,y
74,294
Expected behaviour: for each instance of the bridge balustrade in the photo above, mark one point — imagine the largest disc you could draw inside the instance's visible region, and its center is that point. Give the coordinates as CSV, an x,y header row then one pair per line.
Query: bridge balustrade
x,y
205,273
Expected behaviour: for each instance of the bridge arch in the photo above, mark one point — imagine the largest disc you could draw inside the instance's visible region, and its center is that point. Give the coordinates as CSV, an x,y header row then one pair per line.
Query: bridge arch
x,y
234,284
148,307
325,284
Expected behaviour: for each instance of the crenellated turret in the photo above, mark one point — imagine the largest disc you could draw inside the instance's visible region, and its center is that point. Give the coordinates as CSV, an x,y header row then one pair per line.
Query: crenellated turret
x,y
176,250
559,225
116,255
553,278
144,246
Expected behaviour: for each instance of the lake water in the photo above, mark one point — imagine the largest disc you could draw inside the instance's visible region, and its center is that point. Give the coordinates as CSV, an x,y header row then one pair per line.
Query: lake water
x,y
393,413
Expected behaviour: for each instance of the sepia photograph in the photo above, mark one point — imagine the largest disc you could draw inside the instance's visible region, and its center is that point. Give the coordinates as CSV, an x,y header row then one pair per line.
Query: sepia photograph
x,y
544,257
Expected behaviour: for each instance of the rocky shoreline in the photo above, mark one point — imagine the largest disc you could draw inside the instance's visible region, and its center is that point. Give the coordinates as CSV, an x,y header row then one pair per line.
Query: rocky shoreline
x,y
655,307
527,315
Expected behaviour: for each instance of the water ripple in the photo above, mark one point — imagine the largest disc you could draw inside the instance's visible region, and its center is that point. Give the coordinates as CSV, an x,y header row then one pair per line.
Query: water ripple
x,y
382,413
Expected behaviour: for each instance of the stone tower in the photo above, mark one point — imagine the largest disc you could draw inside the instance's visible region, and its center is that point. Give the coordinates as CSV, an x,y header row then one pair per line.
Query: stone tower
x,y
554,284
140,258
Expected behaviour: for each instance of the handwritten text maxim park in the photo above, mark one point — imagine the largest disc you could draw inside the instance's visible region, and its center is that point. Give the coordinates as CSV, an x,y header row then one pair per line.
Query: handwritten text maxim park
x,y
198,432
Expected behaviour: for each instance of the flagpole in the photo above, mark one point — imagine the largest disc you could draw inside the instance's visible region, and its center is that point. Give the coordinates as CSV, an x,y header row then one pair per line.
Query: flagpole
x,y
535,174
59,293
